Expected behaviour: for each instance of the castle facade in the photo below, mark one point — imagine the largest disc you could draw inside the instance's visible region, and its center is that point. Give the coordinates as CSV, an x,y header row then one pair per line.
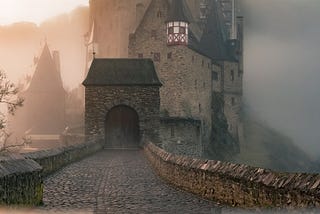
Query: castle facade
x,y
199,61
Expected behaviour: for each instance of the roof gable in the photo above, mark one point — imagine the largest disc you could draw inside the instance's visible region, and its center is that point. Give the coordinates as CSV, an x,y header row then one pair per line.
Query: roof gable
x,y
46,77
119,72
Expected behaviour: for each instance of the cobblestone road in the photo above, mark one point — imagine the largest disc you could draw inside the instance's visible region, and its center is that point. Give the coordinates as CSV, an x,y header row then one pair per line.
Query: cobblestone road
x,y
117,182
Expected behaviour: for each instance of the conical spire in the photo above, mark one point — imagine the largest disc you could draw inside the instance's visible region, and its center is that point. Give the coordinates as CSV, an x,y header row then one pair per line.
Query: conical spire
x,y
46,77
176,12
212,42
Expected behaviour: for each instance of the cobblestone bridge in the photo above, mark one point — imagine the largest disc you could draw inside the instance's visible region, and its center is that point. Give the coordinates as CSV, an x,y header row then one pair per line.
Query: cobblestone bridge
x,y
117,181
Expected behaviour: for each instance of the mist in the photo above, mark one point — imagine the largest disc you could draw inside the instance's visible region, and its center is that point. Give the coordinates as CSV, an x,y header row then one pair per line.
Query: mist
x,y
21,42
282,67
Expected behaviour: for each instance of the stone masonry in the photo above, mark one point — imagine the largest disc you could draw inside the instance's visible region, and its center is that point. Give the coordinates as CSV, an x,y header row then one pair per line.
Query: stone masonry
x,y
143,99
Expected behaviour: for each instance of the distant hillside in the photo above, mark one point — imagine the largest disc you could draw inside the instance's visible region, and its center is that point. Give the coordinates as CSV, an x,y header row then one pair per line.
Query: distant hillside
x,y
265,147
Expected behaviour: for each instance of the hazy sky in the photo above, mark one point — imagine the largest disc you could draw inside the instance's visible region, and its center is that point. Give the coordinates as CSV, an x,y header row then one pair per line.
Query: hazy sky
x,y
282,67
34,10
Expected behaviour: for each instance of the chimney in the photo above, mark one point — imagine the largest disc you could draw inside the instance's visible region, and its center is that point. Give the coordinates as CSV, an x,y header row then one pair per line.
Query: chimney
x,y
56,60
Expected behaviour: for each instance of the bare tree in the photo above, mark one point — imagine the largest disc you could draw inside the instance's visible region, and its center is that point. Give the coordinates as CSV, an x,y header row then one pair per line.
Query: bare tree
x,y
9,98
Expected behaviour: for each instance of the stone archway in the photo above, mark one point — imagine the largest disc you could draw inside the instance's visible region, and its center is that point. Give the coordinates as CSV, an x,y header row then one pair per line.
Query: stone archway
x,y
122,128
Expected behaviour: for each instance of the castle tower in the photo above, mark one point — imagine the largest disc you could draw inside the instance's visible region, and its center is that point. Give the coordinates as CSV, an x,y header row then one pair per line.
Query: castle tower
x,y
43,112
177,25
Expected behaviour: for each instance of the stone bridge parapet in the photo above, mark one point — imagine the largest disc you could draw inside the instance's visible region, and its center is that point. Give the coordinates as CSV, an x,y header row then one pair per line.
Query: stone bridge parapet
x,y
236,184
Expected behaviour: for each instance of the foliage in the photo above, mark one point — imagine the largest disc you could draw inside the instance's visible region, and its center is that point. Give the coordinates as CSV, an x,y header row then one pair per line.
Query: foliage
x,y
8,97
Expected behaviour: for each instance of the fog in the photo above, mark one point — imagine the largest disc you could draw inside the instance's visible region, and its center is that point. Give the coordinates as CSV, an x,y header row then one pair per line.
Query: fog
x,y
282,45
23,41
282,67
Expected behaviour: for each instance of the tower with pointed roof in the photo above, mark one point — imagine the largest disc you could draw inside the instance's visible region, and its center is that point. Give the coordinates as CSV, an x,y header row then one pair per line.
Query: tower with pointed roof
x,y
43,112
177,25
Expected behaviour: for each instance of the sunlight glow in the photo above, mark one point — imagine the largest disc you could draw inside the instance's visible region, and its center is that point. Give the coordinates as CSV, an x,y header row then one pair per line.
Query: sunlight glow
x,y
36,11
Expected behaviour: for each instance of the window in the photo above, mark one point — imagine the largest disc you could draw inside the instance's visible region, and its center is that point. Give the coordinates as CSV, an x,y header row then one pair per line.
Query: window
x,y
159,14
232,75
208,65
169,55
204,84
182,30
233,102
156,57
140,55
200,109
215,76
192,59
240,73
172,131
170,30
153,34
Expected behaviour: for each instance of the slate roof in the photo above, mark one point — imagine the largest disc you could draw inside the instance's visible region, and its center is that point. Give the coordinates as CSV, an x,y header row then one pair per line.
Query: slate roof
x,y
176,12
212,42
120,72
46,78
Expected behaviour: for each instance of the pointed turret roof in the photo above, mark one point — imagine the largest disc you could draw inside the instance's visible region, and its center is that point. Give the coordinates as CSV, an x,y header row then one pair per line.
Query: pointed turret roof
x,y
212,42
46,78
176,12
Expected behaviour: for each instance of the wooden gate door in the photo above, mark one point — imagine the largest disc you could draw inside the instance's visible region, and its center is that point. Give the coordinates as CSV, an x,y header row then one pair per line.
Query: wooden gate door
x,y
122,128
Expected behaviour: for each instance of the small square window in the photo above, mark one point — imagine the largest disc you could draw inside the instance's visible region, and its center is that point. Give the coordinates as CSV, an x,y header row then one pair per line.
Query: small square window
x,y
215,76
172,131
169,55
156,57
232,75
182,30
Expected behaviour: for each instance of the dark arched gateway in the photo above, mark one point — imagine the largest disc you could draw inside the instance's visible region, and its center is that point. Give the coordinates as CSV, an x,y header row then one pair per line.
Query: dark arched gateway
x,y
122,128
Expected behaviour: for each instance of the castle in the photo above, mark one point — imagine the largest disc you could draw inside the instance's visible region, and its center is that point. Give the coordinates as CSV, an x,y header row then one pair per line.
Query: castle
x,y
197,50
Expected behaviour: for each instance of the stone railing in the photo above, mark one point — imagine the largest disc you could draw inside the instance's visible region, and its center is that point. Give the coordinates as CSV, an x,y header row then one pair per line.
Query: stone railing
x,y
20,180
21,176
54,159
236,184
72,139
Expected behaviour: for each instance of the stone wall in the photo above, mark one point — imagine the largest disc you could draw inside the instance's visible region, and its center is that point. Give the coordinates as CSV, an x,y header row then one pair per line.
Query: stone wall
x,y
185,74
235,184
181,136
54,159
20,181
143,99
232,96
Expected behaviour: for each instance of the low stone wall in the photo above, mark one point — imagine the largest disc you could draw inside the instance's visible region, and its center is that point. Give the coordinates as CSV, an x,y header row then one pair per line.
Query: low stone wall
x,y
54,159
20,180
72,139
235,184
21,176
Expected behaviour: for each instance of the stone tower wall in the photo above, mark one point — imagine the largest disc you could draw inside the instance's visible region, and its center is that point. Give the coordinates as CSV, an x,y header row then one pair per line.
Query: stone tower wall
x,y
184,73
